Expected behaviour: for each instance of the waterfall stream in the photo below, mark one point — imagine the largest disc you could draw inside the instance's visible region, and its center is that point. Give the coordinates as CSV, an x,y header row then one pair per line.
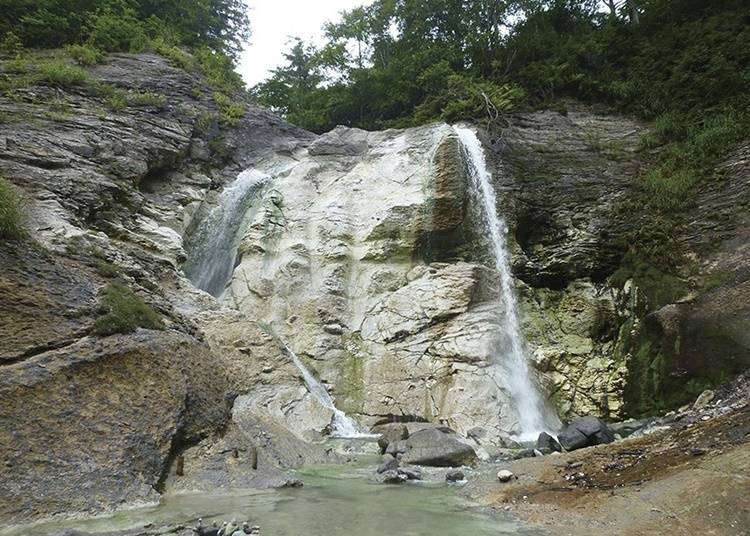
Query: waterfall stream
x,y
532,414
343,426
212,248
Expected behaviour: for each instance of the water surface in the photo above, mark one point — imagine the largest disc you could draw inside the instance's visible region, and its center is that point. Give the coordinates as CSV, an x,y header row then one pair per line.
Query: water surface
x,y
335,501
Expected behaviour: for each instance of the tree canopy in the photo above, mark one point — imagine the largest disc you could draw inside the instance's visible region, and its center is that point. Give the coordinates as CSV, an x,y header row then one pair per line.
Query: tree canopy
x,y
404,62
220,25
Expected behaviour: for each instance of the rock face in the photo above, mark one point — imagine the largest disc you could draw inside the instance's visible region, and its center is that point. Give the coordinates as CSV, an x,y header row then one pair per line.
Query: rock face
x,y
339,259
100,416
93,423
585,432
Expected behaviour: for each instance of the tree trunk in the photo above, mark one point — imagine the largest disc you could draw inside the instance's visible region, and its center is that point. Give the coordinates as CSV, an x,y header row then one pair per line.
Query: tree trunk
x,y
612,8
634,13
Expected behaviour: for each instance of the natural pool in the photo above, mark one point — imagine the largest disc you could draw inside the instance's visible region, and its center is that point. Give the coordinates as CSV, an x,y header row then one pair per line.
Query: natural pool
x,y
335,501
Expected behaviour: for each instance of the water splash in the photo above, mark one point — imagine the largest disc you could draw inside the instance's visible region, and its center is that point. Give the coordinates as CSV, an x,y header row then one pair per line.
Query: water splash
x,y
533,417
212,248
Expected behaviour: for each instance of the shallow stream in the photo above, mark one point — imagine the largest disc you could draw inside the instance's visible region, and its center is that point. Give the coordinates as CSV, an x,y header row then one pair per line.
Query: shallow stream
x,y
334,501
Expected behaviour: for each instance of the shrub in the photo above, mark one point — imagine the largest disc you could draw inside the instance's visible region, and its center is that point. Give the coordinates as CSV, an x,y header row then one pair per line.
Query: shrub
x,y
61,73
146,98
124,312
230,112
11,211
218,70
84,54
174,54
116,28
117,101
11,44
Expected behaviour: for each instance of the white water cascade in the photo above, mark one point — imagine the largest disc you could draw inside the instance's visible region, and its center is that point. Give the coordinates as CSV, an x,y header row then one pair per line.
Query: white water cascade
x,y
533,417
212,247
343,426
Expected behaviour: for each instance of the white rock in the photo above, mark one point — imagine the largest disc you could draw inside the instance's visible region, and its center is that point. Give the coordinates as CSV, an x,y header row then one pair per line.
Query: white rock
x,y
504,475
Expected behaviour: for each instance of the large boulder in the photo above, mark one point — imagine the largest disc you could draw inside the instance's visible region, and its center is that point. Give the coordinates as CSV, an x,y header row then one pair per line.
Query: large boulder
x,y
436,448
585,432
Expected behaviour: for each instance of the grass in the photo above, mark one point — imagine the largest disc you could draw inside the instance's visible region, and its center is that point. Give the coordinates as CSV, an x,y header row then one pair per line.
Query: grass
x,y
146,98
124,312
86,55
229,112
690,149
11,211
61,73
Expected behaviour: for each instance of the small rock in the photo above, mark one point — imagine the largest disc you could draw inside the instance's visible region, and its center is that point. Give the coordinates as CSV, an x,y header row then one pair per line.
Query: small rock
x,y
390,433
585,432
703,399
504,475
394,477
523,453
454,475
538,453
389,463
267,369
411,473
396,447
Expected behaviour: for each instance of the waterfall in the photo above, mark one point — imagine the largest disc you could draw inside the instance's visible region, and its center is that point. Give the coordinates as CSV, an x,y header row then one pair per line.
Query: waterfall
x,y
532,414
343,426
212,247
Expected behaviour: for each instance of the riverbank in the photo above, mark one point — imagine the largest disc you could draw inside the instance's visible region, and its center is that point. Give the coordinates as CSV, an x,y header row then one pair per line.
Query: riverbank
x,y
683,481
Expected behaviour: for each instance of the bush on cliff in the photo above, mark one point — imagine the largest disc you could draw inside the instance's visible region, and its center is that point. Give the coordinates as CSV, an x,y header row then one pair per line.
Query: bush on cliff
x,y
11,211
124,312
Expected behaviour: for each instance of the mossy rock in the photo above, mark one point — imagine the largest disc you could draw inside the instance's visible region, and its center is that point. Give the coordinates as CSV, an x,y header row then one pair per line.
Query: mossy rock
x,y
124,312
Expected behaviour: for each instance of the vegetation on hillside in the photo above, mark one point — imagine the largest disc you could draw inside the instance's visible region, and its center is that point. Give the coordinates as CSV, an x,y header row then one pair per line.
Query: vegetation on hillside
x,y
126,25
124,312
10,211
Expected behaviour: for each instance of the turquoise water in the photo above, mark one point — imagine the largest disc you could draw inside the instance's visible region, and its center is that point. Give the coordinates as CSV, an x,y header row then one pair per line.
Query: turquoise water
x,y
335,501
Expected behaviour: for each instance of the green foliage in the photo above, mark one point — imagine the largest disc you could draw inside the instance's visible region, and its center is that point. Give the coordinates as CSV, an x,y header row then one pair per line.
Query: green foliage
x,y
218,70
85,55
174,54
61,73
205,122
463,97
117,101
146,98
11,211
124,25
692,146
115,27
11,44
215,29
124,312
230,112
